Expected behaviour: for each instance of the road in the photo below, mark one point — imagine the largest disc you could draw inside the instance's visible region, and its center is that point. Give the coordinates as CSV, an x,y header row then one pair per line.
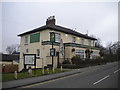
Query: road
x,y
103,76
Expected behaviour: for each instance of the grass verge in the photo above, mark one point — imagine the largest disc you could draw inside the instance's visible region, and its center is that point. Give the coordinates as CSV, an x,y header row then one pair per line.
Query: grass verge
x,y
22,75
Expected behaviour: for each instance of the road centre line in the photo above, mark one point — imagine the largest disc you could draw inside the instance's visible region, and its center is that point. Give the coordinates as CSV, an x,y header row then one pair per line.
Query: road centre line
x,y
116,71
101,79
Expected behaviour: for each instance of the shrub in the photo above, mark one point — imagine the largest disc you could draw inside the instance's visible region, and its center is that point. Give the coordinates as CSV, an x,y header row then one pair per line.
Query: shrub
x,y
76,60
66,62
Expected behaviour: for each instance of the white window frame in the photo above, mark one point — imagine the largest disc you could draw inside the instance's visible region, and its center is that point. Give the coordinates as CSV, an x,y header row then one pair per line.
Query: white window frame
x,y
80,53
89,42
94,54
57,37
73,39
26,39
82,41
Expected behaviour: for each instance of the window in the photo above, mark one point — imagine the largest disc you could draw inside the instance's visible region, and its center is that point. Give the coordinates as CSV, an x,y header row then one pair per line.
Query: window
x,y
82,41
34,37
89,42
57,37
54,37
73,39
80,53
26,39
27,50
38,52
94,54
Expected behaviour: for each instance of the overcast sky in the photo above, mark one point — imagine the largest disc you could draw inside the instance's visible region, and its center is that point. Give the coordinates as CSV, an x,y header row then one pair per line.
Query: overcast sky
x,y
99,18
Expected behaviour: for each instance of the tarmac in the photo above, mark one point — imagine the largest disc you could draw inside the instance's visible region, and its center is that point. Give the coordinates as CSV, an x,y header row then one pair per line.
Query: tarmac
x,y
39,79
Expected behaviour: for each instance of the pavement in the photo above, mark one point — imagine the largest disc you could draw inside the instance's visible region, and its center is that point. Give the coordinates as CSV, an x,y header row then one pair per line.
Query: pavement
x,y
40,79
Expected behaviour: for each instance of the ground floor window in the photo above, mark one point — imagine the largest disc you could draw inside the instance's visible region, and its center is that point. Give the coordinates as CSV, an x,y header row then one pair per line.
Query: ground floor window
x,y
94,54
80,53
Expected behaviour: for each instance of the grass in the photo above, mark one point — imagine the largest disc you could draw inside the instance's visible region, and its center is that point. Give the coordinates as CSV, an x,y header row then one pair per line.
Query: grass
x,y
22,75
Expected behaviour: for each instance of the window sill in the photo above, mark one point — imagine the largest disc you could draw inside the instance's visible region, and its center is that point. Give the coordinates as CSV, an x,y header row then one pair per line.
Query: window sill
x,y
37,57
25,44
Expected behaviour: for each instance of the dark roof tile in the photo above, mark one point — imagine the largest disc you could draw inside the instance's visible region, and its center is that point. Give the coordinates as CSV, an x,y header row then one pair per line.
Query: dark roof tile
x,y
60,29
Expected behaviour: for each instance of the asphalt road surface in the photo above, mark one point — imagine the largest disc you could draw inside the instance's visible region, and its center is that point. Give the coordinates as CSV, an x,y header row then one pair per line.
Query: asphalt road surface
x,y
105,76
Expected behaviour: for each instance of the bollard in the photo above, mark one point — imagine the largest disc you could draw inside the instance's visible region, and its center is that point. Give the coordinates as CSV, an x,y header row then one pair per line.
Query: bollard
x,y
53,69
43,70
48,70
15,74
30,71
61,68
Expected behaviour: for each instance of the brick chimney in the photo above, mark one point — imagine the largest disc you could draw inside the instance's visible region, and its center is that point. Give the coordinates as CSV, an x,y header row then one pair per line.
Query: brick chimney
x,y
50,20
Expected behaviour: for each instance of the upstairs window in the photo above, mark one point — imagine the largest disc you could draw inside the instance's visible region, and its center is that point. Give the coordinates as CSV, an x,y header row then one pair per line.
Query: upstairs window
x,y
57,37
82,41
26,39
89,42
73,39
54,37
34,37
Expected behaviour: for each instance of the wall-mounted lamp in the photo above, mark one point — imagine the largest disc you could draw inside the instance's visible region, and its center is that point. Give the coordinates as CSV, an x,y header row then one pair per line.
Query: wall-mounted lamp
x,y
66,35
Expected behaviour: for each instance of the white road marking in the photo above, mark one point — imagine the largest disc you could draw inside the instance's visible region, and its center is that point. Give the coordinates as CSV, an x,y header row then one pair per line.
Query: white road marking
x,y
101,79
116,71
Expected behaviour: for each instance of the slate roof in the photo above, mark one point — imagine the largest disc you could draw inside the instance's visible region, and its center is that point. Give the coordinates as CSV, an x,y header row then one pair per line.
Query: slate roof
x,y
8,57
60,29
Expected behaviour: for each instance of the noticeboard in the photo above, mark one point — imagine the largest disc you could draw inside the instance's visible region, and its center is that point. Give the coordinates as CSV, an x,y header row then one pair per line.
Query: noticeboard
x,y
29,59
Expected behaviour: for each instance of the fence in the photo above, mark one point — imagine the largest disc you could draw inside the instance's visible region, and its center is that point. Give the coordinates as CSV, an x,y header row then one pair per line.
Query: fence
x,y
9,68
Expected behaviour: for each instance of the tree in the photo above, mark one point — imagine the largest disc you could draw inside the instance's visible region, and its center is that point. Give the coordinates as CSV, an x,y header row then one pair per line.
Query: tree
x,y
98,42
12,49
109,48
115,46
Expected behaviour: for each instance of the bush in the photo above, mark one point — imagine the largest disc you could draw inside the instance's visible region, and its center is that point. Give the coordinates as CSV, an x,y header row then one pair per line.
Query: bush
x,y
66,62
76,60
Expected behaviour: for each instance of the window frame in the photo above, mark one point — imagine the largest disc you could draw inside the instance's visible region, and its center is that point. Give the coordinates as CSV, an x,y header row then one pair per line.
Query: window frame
x,y
26,40
82,41
33,40
56,37
73,39
89,42
80,53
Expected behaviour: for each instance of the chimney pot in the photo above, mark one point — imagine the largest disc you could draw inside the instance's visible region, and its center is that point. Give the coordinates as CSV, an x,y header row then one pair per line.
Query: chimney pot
x,y
50,20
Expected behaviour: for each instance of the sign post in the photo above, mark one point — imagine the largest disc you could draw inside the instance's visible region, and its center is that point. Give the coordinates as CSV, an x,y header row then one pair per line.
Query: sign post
x,y
61,48
52,39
